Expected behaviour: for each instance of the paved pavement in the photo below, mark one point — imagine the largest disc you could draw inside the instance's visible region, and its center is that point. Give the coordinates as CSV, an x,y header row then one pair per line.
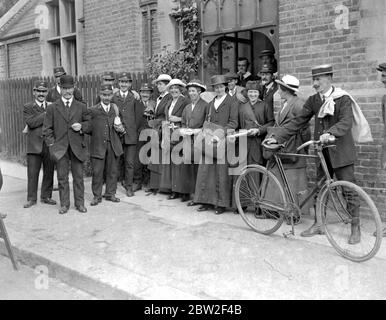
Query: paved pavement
x,y
29,284
147,247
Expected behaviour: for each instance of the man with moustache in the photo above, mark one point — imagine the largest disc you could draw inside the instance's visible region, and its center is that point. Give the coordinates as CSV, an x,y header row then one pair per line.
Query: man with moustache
x,y
340,160
66,122
268,57
105,147
54,92
37,149
382,68
269,84
131,111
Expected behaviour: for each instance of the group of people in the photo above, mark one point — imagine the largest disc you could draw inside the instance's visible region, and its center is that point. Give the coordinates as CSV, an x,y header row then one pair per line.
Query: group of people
x,y
58,122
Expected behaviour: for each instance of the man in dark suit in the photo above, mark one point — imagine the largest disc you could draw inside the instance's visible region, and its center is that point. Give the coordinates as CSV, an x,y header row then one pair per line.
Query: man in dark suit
x,y
269,84
37,150
54,92
105,147
66,122
131,112
340,160
268,57
242,71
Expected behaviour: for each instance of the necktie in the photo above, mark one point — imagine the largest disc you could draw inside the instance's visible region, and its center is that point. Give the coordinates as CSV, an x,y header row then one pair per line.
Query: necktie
x,y
67,104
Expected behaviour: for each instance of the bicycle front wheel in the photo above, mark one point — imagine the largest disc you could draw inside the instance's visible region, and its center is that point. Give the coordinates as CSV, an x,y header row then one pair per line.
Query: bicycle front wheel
x,y
260,199
344,206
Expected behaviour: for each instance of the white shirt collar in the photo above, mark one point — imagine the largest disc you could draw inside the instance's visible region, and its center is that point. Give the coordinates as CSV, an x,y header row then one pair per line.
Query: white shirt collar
x,y
269,86
40,104
219,101
124,94
105,107
247,74
58,88
328,93
70,101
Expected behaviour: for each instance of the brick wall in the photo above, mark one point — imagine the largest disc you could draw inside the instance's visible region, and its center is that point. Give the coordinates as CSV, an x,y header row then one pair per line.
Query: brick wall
x,y
308,37
25,59
113,36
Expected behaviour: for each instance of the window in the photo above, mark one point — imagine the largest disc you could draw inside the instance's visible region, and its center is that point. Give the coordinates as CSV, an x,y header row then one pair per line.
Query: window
x,y
149,26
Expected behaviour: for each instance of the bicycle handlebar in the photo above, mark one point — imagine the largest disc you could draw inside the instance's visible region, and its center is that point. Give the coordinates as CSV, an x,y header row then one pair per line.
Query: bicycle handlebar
x,y
313,142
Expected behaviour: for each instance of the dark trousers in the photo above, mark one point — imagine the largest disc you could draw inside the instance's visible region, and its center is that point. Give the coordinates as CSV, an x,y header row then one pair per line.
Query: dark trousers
x,y
34,163
130,152
109,165
63,168
345,173
139,171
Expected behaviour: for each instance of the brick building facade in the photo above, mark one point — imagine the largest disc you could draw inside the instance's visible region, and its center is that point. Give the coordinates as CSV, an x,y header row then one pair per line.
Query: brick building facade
x,y
91,36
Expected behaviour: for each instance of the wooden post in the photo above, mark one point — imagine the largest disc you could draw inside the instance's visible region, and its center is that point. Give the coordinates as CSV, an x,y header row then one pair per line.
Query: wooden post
x,y
4,236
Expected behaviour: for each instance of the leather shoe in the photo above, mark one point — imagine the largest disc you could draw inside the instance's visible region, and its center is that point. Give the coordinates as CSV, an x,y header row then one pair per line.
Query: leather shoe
x,y
314,230
136,187
81,209
129,192
95,202
203,208
29,204
355,236
49,201
219,210
173,196
185,197
191,204
113,199
63,210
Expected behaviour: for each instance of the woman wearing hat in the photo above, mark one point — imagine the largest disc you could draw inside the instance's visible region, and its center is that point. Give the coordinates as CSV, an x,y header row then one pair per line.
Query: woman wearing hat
x,y
163,100
193,117
214,185
173,117
295,167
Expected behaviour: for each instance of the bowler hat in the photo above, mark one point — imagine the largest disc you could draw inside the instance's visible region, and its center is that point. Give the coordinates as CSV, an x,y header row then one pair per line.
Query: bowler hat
x,y
321,70
67,81
267,68
196,83
290,82
267,52
382,67
59,71
125,76
40,85
219,79
254,85
163,77
108,75
146,87
106,88
176,82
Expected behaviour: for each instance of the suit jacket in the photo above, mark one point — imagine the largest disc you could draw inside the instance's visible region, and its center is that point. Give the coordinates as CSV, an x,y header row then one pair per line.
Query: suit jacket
x,y
58,133
291,111
34,118
54,95
339,125
178,109
226,115
196,118
243,81
102,129
131,113
268,94
160,109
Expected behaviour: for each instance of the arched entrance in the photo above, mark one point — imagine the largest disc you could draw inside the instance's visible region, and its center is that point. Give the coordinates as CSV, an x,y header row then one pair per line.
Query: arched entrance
x,y
236,28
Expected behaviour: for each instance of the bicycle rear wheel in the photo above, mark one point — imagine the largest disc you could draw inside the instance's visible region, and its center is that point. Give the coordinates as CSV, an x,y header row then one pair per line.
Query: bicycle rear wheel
x,y
260,199
338,214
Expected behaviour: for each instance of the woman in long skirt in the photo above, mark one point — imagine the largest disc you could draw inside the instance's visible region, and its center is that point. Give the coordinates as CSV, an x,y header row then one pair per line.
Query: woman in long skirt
x,y
214,184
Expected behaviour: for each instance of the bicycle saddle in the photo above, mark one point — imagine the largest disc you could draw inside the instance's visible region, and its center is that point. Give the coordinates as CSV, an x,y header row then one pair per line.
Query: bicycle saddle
x,y
273,147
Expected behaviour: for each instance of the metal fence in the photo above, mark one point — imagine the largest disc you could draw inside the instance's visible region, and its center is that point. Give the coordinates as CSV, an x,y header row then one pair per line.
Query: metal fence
x,y
15,93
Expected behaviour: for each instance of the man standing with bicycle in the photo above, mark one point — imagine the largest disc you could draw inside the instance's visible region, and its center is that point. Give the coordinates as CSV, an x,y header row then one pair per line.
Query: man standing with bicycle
x,y
332,121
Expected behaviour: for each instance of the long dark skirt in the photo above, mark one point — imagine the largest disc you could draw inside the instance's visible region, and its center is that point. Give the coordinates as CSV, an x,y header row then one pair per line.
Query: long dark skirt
x,y
214,185
184,178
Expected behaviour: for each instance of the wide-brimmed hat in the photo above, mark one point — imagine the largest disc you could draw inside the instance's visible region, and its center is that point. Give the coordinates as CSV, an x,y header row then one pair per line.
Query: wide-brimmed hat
x,y
106,88
124,76
40,85
321,70
219,79
267,68
67,81
176,82
163,77
59,71
254,85
290,82
108,75
196,83
267,52
382,67
146,87
232,75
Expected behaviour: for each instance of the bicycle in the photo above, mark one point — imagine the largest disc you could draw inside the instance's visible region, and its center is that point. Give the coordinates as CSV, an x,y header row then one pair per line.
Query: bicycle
x,y
264,202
